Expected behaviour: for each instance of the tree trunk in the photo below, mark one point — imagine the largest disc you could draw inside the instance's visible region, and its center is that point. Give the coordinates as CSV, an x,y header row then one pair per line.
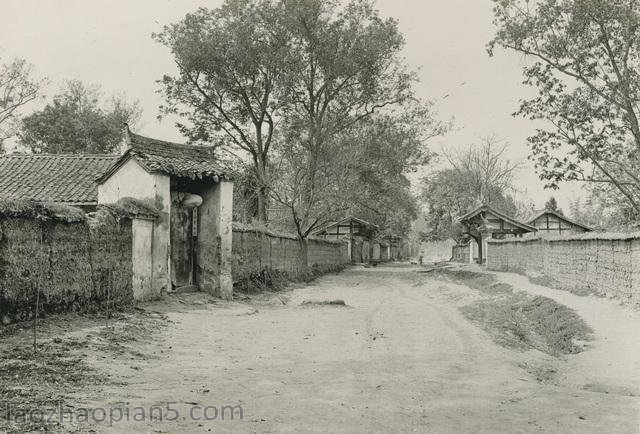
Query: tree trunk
x,y
261,193
304,255
262,190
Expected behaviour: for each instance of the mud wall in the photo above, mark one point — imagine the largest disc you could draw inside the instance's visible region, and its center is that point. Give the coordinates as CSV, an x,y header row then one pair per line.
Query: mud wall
x,y
256,251
606,264
132,181
385,253
361,250
460,253
215,257
70,263
433,251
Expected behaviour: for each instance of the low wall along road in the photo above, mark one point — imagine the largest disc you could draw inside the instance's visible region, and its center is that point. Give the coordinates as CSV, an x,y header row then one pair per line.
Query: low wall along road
x,y
603,263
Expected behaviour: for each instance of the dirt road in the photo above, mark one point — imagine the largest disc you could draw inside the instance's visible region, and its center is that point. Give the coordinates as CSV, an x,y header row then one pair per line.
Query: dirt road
x,y
400,357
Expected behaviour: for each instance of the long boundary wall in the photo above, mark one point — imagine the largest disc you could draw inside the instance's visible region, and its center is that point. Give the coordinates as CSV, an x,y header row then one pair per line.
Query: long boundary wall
x,y
606,264
80,262
256,251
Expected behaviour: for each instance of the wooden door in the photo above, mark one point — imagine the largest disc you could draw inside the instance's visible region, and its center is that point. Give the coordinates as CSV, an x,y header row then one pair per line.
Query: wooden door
x,y
182,243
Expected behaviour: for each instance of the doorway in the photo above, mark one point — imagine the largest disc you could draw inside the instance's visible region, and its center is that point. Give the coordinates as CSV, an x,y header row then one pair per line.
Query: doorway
x,y
184,232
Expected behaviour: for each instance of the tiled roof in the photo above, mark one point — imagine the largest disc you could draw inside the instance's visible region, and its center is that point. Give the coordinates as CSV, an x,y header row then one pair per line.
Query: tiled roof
x,y
187,161
511,220
343,221
560,216
66,179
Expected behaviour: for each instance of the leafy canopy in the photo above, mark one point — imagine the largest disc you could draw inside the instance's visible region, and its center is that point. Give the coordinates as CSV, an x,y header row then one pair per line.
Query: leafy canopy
x,y
287,87
347,89
78,121
231,62
584,58
552,205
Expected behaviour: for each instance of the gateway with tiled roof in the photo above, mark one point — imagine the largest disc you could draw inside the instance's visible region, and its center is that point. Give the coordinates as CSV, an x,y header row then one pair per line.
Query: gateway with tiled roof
x,y
189,231
68,179
174,159
357,232
195,204
485,222
494,216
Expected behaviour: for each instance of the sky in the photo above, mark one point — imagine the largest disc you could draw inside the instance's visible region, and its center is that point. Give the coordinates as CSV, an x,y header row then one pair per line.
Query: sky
x,y
108,42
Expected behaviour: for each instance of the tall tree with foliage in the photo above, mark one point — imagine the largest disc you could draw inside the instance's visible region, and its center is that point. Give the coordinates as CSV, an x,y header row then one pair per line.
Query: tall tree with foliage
x,y
18,87
284,79
552,205
390,148
78,120
605,209
348,69
585,65
364,173
227,90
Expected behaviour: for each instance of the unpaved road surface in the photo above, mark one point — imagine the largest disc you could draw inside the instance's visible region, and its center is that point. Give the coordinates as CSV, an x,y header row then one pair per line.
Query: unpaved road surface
x,y
400,357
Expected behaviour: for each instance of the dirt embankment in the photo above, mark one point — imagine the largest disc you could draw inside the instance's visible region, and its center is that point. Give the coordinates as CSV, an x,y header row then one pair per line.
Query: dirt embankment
x,y
518,319
593,340
611,365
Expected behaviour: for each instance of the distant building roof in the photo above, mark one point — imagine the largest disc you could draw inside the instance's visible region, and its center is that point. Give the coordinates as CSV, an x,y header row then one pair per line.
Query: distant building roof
x,y
483,208
344,221
158,156
60,178
561,217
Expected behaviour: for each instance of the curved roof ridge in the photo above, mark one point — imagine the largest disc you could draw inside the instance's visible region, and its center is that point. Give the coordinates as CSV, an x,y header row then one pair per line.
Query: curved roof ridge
x,y
21,155
136,138
174,159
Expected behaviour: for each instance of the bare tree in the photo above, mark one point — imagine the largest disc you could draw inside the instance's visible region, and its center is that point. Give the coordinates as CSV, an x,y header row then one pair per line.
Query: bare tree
x,y
18,87
475,175
486,174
